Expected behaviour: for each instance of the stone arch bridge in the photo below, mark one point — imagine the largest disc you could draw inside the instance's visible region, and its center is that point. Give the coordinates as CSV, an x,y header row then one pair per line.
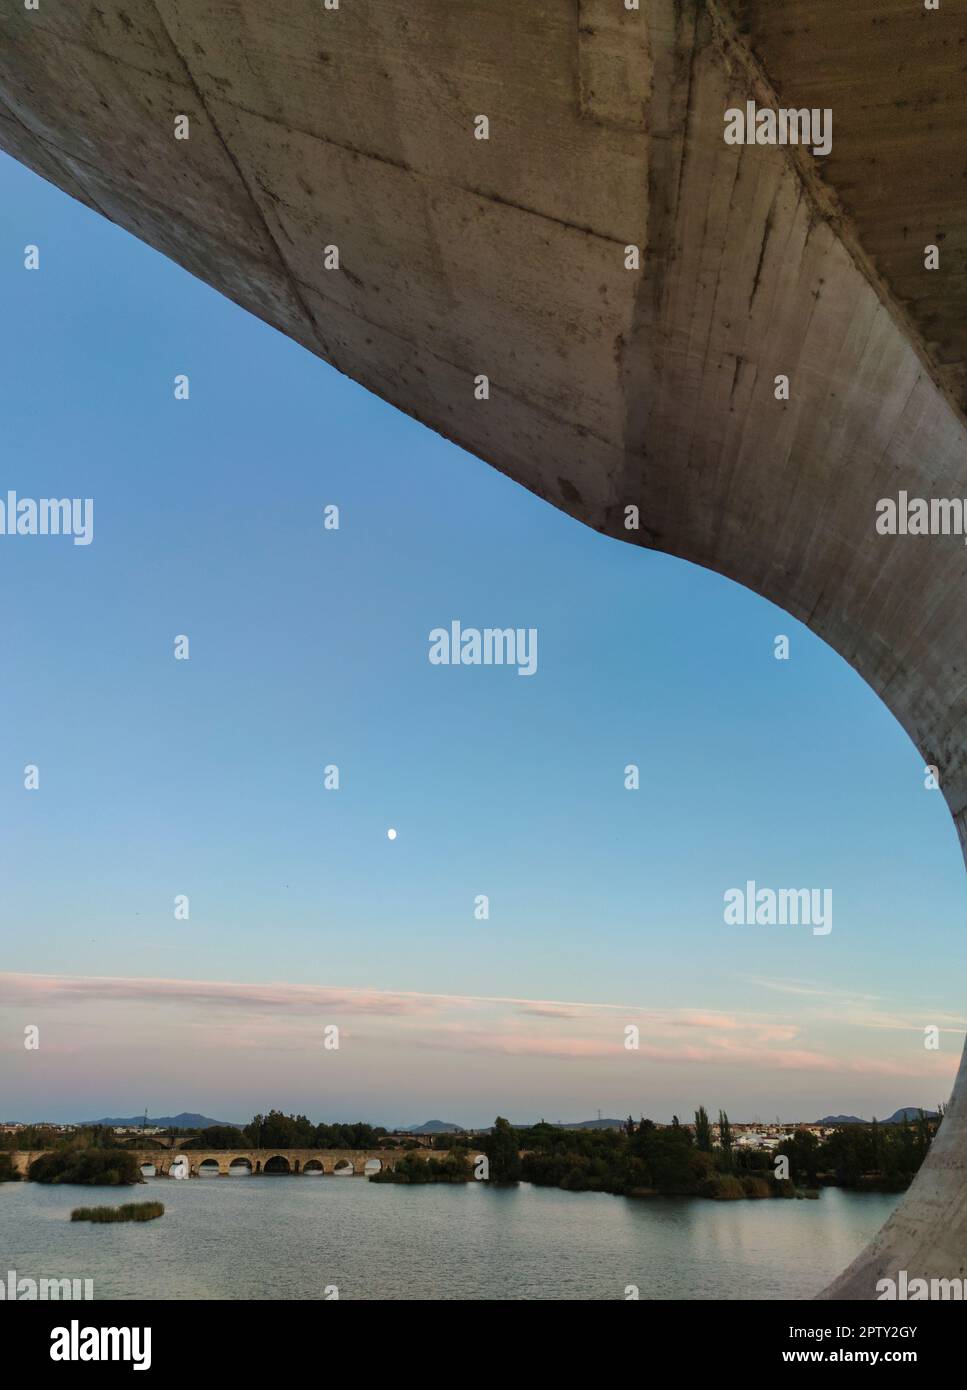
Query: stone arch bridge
x,y
327,1162
359,1162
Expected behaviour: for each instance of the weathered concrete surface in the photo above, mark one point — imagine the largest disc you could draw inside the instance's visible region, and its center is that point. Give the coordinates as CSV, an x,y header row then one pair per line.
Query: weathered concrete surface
x,y
896,82
610,387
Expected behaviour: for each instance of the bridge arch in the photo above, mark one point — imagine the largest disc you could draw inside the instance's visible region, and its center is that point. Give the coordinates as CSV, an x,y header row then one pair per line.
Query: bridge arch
x,y
343,1168
313,1167
240,1167
665,401
209,1168
277,1164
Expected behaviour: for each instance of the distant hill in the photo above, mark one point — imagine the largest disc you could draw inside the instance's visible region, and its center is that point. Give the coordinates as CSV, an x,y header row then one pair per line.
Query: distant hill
x,y
185,1120
571,1124
907,1112
433,1127
592,1124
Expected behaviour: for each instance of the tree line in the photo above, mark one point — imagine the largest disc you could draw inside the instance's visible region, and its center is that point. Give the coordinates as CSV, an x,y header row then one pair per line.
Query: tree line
x,y
279,1131
677,1160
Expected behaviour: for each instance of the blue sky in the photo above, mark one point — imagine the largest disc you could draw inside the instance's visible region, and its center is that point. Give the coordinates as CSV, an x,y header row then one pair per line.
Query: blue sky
x,y
309,647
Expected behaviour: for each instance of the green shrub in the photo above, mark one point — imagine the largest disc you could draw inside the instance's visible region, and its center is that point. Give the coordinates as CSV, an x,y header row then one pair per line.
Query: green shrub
x,y
410,1169
87,1167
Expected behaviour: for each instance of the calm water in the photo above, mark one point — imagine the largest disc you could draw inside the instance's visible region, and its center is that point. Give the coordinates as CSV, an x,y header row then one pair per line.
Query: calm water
x,y
288,1237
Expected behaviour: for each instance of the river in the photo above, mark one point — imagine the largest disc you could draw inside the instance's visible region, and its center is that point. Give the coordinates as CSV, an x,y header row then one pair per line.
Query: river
x,y
291,1237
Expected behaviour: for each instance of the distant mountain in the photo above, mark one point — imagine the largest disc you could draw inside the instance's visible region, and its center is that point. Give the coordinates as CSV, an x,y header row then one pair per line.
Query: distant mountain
x,y
908,1112
571,1124
592,1124
433,1127
185,1120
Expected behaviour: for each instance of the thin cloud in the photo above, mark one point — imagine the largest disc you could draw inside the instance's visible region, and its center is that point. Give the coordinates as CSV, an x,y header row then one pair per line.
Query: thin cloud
x,y
809,989
237,1015
22,988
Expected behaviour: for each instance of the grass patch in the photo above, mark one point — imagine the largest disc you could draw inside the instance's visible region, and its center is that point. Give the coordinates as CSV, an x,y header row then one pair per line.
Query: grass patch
x,y
724,1187
754,1186
130,1211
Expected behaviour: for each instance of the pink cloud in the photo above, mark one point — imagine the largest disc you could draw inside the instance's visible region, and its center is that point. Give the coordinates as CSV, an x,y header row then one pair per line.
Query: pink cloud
x,y
693,1019
235,1016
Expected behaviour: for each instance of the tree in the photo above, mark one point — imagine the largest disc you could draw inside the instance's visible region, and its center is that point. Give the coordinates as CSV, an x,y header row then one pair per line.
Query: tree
x,y
278,1131
725,1138
661,1158
703,1131
846,1151
503,1152
924,1135
641,1139
803,1153
219,1137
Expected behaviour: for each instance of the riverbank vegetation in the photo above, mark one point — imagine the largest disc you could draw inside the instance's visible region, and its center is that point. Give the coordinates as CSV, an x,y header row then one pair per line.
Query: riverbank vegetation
x,y
7,1171
88,1167
130,1211
676,1160
640,1159
90,1155
33,1138
500,1147
873,1157
410,1169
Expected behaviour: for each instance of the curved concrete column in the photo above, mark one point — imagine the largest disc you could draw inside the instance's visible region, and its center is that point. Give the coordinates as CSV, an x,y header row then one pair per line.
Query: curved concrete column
x,y
614,383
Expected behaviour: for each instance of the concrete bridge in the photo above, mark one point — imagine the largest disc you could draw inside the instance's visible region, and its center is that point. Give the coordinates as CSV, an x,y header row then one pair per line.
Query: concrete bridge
x,y
729,352
225,1162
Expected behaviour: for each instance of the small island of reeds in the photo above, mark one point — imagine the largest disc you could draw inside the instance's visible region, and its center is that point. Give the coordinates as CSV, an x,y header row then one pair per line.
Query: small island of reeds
x,y
130,1211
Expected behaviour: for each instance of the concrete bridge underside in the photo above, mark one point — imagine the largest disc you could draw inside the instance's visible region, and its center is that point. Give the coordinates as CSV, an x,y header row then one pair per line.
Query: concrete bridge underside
x,y
609,387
